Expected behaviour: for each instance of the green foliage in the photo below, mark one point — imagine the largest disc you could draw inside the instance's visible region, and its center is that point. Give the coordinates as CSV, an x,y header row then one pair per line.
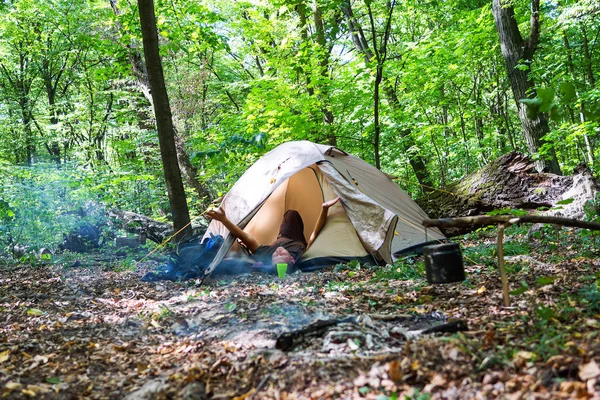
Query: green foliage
x,y
126,264
39,204
507,211
403,269
244,77
484,253
591,297
164,312
520,290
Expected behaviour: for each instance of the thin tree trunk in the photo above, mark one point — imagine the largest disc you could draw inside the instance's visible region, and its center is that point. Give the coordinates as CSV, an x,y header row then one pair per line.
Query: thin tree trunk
x,y
328,116
407,142
516,51
164,120
189,171
589,152
588,58
463,130
376,124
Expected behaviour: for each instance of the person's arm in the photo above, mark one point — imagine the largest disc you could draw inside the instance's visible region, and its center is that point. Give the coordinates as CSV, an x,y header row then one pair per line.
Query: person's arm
x,y
321,220
249,241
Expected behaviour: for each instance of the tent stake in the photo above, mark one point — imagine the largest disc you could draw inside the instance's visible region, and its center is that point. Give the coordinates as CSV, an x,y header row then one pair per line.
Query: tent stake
x,y
501,265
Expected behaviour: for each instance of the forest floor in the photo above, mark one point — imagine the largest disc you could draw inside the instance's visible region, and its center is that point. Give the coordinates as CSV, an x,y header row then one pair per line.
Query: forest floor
x,y
97,331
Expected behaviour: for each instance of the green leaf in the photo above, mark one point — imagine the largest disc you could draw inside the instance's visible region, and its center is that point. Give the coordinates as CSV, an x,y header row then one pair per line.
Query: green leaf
x,y
566,201
53,380
532,107
555,114
506,211
544,280
521,289
568,91
546,96
363,390
34,312
544,312
230,306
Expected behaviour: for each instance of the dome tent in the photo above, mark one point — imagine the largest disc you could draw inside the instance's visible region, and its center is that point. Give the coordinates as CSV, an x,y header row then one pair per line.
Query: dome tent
x,y
374,219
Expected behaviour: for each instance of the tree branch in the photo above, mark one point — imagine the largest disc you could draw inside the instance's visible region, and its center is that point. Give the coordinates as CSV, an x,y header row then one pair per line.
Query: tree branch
x,y
485,220
534,30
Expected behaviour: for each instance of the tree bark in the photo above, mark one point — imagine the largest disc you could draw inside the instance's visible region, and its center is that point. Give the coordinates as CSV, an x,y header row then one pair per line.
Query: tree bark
x,y
510,182
164,121
517,51
321,40
587,148
51,85
588,57
140,72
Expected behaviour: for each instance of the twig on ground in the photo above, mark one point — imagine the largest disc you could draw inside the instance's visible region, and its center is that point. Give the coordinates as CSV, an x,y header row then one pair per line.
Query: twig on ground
x,y
260,385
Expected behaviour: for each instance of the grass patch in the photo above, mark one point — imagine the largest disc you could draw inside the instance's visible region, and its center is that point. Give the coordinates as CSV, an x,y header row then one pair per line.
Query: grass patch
x,y
402,270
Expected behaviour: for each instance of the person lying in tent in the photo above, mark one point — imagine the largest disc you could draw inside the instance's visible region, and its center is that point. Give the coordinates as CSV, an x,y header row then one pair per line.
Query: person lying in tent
x,y
290,243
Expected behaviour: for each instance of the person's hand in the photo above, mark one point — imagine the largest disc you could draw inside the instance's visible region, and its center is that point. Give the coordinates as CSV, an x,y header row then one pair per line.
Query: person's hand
x,y
217,214
329,203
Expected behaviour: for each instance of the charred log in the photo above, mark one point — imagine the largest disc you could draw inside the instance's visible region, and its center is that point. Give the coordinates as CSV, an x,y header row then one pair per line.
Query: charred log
x,y
288,340
82,239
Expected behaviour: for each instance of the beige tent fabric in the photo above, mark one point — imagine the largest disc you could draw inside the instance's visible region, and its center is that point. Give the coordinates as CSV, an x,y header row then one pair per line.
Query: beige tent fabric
x,y
369,219
264,226
301,192
371,200
265,175
338,237
388,195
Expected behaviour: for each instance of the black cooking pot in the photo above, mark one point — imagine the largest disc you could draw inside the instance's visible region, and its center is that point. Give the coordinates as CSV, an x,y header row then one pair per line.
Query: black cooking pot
x,y
444,263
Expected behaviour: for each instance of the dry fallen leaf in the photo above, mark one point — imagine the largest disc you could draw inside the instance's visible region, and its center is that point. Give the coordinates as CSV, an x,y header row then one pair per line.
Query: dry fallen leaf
x,y
521,358
481,290
589,371
437,381
576,389
13,385
155,324
141,367
488,339
4,356
395,373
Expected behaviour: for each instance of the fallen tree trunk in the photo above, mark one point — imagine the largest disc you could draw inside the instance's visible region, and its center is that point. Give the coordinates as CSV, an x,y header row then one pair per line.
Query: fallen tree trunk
x,y
511,182
141,225
144,226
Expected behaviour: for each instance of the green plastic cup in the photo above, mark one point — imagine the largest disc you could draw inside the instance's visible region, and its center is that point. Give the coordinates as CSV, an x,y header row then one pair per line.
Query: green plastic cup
x,y
281,270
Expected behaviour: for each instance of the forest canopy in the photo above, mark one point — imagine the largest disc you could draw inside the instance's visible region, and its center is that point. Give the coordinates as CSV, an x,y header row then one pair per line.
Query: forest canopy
x,y
423,90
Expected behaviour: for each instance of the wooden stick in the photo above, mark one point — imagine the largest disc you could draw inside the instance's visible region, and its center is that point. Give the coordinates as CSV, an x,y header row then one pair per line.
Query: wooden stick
x,y
501,265
484,220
